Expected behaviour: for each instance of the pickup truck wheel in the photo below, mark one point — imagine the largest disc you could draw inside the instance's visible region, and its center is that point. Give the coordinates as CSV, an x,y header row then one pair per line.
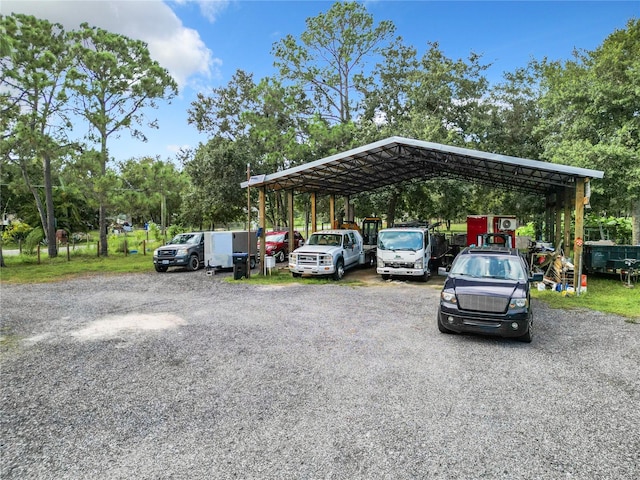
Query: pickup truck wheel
x,y
280,256
194,263
339,273
160,268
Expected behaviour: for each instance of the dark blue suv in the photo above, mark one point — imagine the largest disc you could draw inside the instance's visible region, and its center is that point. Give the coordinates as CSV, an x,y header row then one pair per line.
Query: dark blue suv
x,y
487,291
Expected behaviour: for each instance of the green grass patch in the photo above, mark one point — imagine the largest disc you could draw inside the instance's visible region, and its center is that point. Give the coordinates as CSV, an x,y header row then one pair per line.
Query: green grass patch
x,y
25,268
283,276
604,294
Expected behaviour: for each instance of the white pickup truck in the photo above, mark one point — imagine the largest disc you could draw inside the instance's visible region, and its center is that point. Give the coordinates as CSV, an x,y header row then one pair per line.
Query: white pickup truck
x,y
328,252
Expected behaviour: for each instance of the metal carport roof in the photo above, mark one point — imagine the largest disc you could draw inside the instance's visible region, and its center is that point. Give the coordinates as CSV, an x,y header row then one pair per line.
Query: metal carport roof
x,y
398,159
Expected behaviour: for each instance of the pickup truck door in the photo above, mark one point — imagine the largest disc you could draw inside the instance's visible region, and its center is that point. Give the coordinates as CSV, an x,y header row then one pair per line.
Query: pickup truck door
x,y
351,249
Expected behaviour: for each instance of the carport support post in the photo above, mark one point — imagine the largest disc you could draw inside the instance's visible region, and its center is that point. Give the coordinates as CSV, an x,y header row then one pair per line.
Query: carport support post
x,y
579,232
558,226
263,223
314,220
332,210
567,218
290,216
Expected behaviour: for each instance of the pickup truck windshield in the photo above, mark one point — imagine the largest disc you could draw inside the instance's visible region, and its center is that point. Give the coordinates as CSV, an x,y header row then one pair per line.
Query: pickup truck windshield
x,y
185,239
325,239
400,240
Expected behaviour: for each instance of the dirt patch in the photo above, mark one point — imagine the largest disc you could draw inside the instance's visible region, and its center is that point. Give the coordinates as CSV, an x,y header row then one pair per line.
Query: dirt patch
x,y
132,322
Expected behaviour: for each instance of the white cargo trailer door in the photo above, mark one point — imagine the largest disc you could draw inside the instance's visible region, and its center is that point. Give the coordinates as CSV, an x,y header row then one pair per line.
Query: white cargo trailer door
x,y
218,249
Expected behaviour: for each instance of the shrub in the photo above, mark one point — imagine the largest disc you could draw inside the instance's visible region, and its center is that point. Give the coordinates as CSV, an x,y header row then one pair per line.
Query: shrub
x,y
16,232
35,236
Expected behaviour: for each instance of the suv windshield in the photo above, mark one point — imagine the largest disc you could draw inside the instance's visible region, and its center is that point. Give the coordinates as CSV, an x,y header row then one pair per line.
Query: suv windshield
x,y
185,239
400,241
489,266
275,237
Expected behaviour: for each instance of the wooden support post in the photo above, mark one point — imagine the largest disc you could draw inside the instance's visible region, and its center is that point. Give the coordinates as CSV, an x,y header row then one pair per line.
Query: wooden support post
x,y
290,221
68,253
332,210
314,220
579,231
262,195
568,202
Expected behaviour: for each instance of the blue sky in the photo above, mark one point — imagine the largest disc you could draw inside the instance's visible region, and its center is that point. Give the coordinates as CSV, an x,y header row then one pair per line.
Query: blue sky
x,y
203,43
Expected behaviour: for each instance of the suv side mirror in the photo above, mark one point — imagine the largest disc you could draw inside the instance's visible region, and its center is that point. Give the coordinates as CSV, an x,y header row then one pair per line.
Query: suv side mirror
x,y
536,277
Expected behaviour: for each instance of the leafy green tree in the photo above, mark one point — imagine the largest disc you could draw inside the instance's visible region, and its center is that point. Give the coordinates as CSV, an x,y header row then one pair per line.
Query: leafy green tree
x,y
148,184
591,118
216,198
331,57
35,119
115,81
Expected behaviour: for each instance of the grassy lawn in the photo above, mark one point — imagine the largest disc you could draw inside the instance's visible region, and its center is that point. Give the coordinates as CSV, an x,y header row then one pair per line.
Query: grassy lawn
x,y
604,294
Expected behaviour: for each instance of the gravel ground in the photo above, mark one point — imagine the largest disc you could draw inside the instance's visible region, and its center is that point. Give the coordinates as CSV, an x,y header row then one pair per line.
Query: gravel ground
x,y
186,376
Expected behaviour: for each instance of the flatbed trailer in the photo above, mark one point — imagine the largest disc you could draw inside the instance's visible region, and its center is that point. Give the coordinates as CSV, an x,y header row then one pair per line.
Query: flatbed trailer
x,y
608,258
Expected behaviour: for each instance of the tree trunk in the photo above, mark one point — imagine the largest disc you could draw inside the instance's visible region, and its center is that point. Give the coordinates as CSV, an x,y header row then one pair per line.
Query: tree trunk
x,y
104,155
391,212
635,222
50,230
34,192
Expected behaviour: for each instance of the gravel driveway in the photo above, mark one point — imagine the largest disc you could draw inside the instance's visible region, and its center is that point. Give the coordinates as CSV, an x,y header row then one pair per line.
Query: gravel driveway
x,y
186,376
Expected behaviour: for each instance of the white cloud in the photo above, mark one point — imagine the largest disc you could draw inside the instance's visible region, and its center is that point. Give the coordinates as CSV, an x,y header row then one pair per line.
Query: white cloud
x,y
178,49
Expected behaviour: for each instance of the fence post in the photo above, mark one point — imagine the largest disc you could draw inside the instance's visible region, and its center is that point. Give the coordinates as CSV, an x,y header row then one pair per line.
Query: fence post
x,y
98,248
20,245
144,247
38,253
68,254
126,248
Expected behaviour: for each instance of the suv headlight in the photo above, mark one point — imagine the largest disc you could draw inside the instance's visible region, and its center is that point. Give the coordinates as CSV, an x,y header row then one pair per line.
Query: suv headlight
x,y
518,303
448,297
181,252
155,252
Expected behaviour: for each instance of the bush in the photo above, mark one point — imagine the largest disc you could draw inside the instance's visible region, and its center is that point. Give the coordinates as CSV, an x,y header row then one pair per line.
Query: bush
x,y
16,232
33,239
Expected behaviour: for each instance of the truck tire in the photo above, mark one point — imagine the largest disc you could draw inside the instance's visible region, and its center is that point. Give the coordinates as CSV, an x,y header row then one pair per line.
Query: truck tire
x,y
160,268
194,263
339,273
296,275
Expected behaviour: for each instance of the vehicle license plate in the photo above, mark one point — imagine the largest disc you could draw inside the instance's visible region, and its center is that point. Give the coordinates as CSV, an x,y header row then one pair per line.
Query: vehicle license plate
x,y
165,262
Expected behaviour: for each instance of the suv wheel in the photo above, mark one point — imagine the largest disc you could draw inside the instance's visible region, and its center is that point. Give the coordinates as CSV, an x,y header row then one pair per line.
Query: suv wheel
x,y
194,263
160,268
527,337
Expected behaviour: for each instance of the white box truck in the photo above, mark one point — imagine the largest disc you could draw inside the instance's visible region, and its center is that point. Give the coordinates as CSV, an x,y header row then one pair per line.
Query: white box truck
x,y
220,247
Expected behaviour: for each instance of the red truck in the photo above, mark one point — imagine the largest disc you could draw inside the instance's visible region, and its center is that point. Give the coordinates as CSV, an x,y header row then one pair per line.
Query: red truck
x,y
493,229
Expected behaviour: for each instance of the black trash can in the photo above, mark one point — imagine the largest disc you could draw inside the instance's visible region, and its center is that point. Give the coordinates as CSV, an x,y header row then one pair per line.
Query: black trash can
x,y
240,265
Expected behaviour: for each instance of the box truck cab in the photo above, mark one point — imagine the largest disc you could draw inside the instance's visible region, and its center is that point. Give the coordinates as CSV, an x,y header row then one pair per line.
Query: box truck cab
x,y
404,252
